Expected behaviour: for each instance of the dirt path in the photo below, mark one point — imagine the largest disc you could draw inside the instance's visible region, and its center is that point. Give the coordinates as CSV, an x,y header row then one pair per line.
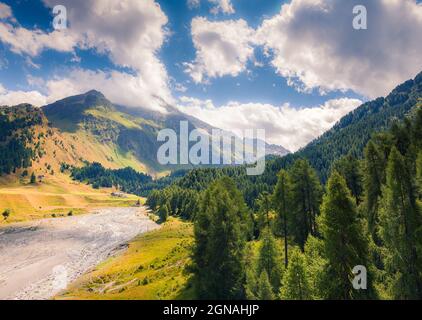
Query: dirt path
x,y
38,259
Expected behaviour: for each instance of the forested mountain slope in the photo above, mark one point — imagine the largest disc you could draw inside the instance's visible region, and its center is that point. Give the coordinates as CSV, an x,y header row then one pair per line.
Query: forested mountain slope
x,y
349,136
353,131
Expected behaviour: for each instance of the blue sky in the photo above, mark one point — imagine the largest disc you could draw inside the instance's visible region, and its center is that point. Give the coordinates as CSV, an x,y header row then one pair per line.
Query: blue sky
x,y
235,63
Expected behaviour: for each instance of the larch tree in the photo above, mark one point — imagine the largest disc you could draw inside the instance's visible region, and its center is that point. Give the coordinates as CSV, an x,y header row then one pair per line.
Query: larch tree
x,y
306,194
345,243
295,283
265,290
373,180
419,175
400,230
349,167
218,256
281,202
269,259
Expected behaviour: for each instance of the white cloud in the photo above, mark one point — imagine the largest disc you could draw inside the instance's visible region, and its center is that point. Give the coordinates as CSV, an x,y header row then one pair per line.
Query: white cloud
x,y
290,127
224,6
121,88
222,48
32,42
5,11
130,32
315,45
78,81
11,98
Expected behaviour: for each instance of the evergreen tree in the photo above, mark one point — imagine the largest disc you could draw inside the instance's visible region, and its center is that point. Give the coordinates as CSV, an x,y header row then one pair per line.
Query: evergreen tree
x,y
281,202
163,212
33,178
220,240
265,291
349,167
264,208
345,243
269,260
296,284
400,230
306,194
6,214
315,265
373,180
419,175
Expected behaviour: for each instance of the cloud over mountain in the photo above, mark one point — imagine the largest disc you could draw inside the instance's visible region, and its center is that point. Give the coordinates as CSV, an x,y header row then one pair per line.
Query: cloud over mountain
x,y
284,125
129,32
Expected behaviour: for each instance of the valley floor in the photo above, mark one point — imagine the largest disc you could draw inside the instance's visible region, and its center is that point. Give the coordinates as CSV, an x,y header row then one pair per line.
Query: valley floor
x,y
40,258
56,197
152,268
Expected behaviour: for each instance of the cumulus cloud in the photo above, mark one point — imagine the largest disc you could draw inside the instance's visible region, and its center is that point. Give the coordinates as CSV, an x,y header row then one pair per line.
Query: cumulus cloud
x,y
314,44
78,81
130,32
290,127
121,88
11,98
32,42
222,48
224,6
5,11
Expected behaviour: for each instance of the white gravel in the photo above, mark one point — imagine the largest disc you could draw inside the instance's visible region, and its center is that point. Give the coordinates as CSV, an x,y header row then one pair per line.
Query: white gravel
x,y
38,259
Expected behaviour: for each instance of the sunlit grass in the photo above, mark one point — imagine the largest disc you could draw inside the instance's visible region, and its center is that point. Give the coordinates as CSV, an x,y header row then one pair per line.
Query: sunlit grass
x,y
153,267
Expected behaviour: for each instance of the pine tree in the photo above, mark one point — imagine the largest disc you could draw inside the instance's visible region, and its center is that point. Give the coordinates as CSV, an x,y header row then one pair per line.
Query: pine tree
x,y
251,281
306,194
265,291
296,284
419,175
315,265
400,227
349,167
373,180
33,178
281,202
163,212
269,259
220,240
345,243
264,208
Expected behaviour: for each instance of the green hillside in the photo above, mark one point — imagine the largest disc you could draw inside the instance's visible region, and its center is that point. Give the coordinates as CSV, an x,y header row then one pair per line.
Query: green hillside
x,y
352,132
116,139
348,136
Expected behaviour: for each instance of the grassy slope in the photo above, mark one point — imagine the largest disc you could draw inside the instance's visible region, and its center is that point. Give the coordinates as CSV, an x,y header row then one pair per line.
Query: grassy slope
x,y
152,268
57,193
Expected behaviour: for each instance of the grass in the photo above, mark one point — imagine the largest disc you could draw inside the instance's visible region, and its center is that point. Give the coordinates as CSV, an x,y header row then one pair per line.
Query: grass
x,y
152,268
54,197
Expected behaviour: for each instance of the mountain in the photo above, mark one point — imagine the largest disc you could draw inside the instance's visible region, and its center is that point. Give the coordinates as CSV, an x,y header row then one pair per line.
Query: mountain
x,y
110,136
353,131
118,136
349,135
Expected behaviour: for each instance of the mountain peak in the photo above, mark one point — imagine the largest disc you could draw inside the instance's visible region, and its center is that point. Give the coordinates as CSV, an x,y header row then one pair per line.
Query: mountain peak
x,y
95,93
73,109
